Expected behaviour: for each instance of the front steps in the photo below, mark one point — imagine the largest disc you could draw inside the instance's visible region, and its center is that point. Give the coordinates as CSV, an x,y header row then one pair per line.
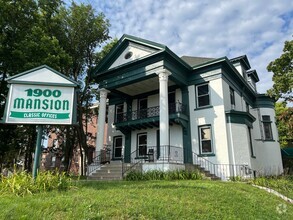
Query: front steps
x,y
207,173
111,171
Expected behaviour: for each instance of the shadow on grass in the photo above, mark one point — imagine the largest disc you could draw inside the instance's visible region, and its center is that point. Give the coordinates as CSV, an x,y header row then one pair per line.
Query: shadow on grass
x,y
153,184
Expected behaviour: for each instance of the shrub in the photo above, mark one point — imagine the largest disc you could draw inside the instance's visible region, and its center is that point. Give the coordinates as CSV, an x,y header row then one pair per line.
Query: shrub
x,y
161,175
22,183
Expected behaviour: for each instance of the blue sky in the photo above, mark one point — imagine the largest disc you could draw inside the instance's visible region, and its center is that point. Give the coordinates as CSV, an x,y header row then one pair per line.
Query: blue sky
x,y
207,28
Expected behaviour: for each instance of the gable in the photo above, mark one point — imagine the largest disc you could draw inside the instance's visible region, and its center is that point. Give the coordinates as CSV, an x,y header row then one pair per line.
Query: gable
x,y
40,75
132,52
119,55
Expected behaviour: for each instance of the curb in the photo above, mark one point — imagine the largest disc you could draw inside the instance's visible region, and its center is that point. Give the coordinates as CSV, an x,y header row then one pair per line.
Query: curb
x,y
275,193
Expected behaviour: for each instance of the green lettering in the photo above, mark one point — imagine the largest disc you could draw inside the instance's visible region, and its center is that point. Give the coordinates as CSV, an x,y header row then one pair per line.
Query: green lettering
x,y
57,104
65,105
37,104
51,104
18,103
29,104
45,104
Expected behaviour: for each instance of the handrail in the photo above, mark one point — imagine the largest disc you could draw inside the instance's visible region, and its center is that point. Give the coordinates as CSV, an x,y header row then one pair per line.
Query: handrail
x,y
151,154
223,171
98,161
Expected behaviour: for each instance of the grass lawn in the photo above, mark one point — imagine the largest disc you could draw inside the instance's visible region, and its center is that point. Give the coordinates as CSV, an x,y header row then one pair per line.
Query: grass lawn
x,y
149,200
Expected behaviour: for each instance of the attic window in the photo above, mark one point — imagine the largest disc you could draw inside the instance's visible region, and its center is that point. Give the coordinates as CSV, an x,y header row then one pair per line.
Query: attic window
x,y
128,55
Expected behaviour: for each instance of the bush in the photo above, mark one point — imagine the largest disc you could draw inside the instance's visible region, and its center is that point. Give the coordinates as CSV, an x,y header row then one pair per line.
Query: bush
x,y
161,175
22,183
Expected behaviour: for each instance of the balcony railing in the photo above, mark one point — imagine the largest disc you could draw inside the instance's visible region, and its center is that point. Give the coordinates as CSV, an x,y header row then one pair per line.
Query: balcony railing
x,y
149,112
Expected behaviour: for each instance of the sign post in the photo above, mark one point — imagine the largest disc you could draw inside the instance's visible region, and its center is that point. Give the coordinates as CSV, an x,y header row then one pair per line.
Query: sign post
x,y
38,151
40,96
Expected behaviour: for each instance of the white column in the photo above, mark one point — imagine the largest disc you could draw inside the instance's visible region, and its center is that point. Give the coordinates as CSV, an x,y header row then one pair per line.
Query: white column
x,y
101,120
164,114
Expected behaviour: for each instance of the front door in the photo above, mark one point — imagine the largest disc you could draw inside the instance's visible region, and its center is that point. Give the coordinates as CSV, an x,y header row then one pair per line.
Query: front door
x,y
117,148
142,108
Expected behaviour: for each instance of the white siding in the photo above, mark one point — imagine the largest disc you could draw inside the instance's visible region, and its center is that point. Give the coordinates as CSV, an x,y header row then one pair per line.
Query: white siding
x,y
214,116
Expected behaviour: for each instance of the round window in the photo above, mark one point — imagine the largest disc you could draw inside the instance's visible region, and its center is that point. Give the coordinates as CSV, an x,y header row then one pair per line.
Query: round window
x,y
128,55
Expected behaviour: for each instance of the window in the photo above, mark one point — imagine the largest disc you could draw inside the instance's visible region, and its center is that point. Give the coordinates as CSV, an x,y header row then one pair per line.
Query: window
x,y
203,96
266,120
117,142
205,136
232,98
119,110
142,144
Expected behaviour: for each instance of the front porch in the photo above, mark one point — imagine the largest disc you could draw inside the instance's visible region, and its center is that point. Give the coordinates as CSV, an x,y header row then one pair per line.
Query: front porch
x,y
149,117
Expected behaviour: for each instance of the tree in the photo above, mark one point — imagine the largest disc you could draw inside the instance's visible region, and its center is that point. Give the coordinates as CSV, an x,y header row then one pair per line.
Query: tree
x,y
33,33
282,69
284,123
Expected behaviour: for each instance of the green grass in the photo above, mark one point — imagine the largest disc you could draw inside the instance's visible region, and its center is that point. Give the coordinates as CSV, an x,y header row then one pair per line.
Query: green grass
x,y
184,199
283,184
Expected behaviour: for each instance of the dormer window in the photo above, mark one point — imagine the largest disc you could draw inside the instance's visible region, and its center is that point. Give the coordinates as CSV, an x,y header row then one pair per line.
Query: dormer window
x,y
128,55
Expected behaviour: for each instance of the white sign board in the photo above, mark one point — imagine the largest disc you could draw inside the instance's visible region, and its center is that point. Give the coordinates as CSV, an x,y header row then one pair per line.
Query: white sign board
x,y
38,104
41,96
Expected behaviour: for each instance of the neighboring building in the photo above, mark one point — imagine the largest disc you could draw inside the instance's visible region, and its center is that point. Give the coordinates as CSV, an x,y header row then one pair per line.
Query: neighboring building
x,y
166,112
52,156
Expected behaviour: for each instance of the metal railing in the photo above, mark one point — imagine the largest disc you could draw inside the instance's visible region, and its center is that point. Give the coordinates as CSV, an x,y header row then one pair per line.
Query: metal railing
x,y
152,154
102,158
223,171
149,112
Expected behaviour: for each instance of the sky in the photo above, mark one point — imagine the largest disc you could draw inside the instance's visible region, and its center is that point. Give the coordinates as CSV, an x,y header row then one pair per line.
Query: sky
x,y
207,28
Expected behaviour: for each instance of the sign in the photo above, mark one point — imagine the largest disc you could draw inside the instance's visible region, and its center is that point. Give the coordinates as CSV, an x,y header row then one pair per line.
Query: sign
x,y
31,101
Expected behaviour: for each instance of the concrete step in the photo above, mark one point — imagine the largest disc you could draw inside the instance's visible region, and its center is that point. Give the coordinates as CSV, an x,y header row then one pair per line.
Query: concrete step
x,y
108,171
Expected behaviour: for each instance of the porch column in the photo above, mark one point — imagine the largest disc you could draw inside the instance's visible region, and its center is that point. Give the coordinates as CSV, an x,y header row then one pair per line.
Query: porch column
x,y
164,114
101,120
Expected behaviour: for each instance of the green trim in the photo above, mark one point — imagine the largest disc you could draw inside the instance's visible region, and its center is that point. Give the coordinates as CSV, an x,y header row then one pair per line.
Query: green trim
x,y
239,117
204,107
12,79
120,46
187,146
264,101
269,140
127,149
243,61
207,155
253,74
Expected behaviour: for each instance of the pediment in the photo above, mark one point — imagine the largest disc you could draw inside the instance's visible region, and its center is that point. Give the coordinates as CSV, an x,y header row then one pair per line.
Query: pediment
x,y
127,50
132,52
42,75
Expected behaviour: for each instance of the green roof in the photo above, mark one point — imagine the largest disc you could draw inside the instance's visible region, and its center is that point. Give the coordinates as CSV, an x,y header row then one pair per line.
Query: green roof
x,y
287,152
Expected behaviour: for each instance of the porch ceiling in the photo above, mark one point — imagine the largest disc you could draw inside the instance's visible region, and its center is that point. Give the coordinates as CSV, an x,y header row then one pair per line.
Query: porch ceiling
x,y
143,86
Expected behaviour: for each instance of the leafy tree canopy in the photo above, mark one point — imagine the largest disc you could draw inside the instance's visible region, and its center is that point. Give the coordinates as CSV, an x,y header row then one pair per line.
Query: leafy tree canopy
x,y
282,69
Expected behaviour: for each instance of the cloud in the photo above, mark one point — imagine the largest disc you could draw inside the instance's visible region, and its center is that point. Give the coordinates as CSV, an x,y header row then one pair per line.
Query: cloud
x,y
208,28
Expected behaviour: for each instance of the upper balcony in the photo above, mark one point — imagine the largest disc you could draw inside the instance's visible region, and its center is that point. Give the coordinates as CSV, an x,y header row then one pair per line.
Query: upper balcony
x,y
150,117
